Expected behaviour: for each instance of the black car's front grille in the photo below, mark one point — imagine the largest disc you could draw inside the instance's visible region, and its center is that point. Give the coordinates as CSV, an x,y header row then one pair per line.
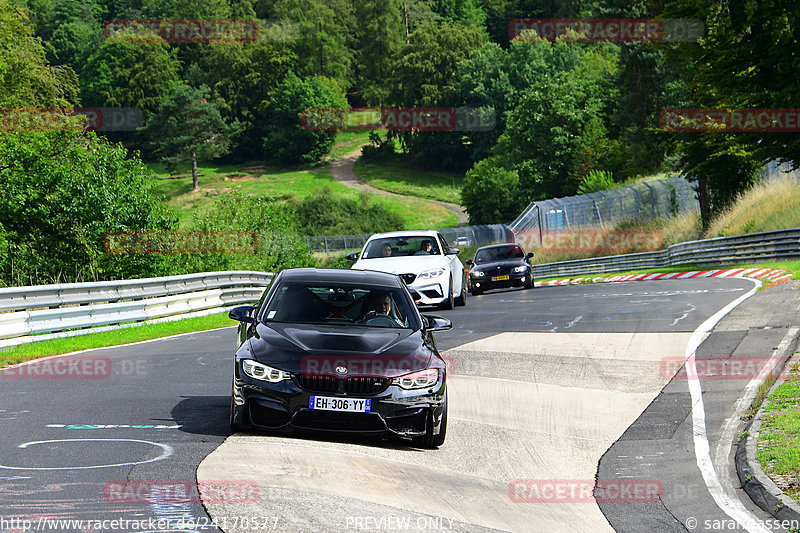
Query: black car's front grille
x,y
330,384
408,278
318,383
335,421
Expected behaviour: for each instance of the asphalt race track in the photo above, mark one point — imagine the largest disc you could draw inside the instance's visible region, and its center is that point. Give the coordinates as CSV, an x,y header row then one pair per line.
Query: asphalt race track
x,y
542,383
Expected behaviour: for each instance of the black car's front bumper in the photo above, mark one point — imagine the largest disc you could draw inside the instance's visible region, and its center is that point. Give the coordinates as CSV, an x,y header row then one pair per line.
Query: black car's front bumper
x,y
285,405
485,283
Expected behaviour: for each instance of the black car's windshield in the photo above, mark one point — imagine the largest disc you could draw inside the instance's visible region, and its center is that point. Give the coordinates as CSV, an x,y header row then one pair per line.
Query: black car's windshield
x,y
499,253
344,305
401,247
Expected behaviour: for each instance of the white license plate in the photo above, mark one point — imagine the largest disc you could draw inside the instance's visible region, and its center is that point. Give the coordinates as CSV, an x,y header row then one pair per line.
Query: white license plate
x,y
350,405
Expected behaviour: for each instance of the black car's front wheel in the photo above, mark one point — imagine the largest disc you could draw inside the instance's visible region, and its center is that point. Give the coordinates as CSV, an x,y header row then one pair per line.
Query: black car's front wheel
x,y
429,440
528,282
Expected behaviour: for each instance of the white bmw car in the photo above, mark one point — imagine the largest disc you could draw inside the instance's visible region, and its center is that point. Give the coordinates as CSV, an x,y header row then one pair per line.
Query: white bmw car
x,y
423,259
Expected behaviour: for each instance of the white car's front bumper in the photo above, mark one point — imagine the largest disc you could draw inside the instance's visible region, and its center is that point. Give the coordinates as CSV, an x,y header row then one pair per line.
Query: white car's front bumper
x,y
431,292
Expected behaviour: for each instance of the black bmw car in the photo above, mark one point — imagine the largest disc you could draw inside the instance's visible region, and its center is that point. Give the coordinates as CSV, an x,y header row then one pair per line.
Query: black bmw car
x,y
340,351
499,266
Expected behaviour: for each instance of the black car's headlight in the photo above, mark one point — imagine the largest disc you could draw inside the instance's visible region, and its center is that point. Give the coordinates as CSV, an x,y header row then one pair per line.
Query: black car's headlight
x,y
263,372
418,380
521,268
477,273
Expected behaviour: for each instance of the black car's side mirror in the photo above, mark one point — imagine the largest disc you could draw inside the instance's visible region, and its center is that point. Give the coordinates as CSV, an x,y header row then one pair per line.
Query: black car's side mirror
x,y
528,255
452,251
353,256
437,323
469,263
243,313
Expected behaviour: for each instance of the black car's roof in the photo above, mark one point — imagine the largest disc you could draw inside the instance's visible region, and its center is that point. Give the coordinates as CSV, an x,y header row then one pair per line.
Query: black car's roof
x,y
504,245
335,275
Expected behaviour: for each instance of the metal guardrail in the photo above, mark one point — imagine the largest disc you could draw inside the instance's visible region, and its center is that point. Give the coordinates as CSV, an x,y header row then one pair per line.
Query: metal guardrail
x,y
26,312
778,245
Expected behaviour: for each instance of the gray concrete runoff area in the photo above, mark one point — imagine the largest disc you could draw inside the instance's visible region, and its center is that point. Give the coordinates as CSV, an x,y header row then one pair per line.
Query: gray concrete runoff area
x,y
567,412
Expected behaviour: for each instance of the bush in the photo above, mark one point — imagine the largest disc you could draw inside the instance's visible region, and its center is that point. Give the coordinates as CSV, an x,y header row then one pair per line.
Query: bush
x,y
596,180
279,244
322,213
62,191
379,149
490,193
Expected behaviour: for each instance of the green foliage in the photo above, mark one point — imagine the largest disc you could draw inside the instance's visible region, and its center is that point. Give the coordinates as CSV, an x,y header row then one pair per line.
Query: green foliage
x,y
60,193
380,35
286,140
322,213
557,132
26,79
741,62
379,149
490,193
125,74
323,36
279,244
596,180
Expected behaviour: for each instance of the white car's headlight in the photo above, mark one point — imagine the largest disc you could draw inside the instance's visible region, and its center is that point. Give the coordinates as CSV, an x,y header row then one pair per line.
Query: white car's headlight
x,y
521,268
418,380
263,372
430,274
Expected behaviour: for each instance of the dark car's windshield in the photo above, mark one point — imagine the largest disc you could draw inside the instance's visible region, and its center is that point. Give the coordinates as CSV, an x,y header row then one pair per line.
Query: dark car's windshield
x,y
401,246
499,253
338,304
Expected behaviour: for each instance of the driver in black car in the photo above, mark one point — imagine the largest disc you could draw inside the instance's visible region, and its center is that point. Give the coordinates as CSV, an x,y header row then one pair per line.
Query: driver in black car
x,y
376,304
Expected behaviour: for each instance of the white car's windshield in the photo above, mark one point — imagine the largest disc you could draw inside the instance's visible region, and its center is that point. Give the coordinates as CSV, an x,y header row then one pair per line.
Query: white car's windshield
x,y
401,247
339,304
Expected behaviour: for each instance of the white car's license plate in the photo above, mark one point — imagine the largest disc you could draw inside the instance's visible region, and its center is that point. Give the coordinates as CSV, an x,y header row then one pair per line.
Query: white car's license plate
x,y
350,405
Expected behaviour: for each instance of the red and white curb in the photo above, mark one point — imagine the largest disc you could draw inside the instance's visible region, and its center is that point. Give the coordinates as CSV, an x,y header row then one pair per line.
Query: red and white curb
x,y
774,276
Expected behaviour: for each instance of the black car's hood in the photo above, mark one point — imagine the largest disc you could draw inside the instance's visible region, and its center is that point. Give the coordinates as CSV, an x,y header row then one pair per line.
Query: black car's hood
x,y
298,348
494,264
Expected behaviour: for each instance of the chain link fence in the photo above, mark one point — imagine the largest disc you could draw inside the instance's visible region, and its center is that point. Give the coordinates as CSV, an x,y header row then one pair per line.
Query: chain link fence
x,y
463,236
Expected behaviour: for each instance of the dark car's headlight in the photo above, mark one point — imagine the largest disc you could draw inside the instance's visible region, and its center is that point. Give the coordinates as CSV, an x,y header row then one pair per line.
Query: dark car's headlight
x,y
263,372
477,273
418,380
521,268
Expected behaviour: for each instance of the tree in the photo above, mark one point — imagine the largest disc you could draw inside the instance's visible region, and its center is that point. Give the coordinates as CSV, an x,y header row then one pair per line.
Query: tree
x,y
286,139
743,61
324,36
130,74
490,193
558,132
26,78
380,35
188,126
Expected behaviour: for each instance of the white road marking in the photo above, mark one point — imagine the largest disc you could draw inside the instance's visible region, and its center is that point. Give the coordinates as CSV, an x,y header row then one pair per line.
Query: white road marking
x,y
729,504
167,451
693,308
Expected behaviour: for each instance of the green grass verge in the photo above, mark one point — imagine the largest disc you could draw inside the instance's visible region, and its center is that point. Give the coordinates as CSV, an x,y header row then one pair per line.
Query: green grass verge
x,y
792,267
346,142
400,178
778,448
255,178
35,350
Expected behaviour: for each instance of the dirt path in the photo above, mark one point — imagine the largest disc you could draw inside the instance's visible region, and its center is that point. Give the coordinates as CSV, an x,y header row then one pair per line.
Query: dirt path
x,y
342,171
